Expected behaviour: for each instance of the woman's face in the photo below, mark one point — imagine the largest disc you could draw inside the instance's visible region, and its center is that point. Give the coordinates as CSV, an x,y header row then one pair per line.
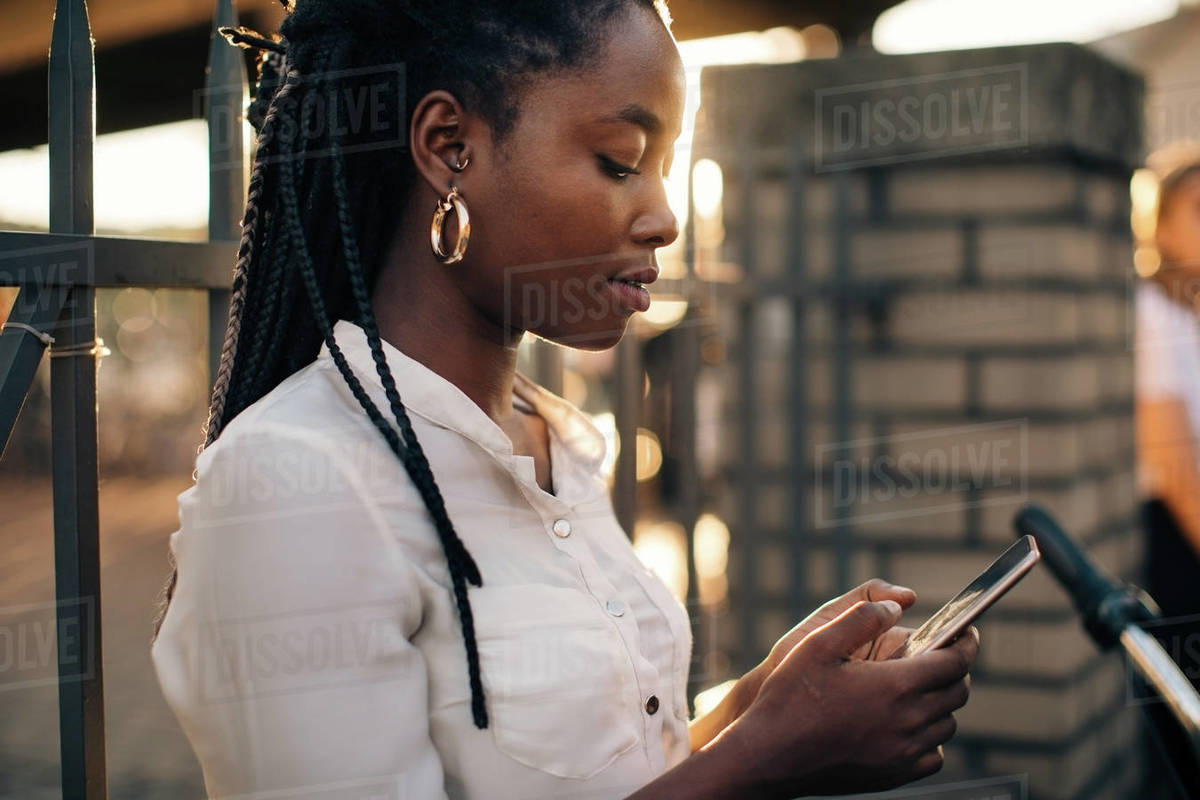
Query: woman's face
x,y
577,197
1178,230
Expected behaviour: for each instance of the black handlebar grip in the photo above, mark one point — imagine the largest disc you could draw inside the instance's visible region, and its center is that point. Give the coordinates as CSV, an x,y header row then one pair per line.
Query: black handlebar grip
x,y
1087,585
1106,605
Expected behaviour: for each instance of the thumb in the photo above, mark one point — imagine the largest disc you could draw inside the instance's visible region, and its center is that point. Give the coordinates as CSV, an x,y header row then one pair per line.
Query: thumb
x,y
854,627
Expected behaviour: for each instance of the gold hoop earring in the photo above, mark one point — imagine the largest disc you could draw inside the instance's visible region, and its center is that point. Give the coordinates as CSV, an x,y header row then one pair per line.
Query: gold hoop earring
x,y
452,202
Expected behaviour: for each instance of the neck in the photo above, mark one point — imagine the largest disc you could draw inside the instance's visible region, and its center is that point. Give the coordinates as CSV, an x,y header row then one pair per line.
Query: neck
x,y
423,313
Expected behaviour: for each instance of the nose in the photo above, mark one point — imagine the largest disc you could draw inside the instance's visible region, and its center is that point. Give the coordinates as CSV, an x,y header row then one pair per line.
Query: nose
x,y
657,225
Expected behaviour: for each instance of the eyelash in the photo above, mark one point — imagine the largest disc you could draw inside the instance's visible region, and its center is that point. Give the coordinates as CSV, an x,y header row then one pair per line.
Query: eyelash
x,y
618,172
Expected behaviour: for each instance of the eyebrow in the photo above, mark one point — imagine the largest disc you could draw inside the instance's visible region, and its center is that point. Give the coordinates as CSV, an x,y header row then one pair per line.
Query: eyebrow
x,y
637,114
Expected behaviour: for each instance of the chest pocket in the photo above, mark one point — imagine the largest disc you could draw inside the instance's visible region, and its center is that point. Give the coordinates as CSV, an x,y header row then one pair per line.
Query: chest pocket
x,y
560,693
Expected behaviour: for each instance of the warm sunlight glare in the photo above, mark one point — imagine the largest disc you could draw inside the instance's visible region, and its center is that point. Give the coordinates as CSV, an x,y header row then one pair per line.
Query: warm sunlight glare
x,y
145,179
922,26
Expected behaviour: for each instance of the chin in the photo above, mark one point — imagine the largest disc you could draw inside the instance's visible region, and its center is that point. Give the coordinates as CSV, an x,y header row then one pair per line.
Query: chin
x,y
593,338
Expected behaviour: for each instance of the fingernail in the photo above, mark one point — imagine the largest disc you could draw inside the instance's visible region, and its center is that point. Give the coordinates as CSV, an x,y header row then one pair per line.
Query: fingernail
x,y
892,606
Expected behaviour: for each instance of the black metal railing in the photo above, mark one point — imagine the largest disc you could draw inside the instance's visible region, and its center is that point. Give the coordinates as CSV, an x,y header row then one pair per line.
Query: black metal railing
x,y
56,275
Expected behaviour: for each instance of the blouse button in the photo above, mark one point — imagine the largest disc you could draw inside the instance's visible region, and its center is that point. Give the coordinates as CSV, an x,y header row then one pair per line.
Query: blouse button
x,y
652,704
615,607
562,528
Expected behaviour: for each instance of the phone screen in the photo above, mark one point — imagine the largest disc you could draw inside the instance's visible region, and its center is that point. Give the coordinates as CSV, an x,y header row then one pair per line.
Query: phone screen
x,y
954,617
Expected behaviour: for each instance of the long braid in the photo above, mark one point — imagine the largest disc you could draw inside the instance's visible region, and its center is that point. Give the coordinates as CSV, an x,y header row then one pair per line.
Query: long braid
x,y
410,453
460,561
272,306
286,285
246,252
270,310
265,298
492,52
236,304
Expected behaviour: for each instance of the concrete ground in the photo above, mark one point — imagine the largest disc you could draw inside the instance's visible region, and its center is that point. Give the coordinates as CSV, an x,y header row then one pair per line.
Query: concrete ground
x,y
147,754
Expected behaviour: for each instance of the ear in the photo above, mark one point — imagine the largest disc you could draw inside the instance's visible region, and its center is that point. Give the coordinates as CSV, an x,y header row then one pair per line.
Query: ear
x,y
440,136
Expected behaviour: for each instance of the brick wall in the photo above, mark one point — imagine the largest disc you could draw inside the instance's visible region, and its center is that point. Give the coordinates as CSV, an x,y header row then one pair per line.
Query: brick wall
x,y
956,300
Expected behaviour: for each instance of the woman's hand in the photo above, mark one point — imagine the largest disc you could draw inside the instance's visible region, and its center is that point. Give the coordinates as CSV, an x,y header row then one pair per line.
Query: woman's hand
x,y
703,729
826,721
879,648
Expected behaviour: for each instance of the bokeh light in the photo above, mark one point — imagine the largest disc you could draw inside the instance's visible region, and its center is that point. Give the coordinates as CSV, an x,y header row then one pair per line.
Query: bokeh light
x,y
662,547
710,552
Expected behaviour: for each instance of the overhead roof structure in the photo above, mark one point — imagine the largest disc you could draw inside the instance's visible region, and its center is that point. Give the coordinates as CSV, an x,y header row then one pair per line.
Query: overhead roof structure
x,y
150,54
1167,55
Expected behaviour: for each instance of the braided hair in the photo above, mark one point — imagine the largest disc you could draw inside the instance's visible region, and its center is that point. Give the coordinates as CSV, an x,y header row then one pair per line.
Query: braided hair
x,y
294,276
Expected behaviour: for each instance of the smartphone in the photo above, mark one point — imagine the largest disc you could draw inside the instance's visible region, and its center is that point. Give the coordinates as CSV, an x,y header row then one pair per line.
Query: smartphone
x,y
954,617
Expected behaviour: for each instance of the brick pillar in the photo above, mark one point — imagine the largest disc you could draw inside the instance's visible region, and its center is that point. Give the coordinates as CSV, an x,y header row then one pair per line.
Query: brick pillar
x,y
930,326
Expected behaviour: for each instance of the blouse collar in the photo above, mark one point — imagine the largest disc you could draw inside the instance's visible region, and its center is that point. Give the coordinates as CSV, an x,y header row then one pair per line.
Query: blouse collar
x,y
438,400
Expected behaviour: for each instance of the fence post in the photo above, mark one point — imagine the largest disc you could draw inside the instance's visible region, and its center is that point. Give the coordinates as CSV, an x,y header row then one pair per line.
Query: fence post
x,y
72,131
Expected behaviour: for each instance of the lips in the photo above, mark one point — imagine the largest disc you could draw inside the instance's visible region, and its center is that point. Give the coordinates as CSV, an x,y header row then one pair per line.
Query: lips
x,y
630,294
630,288
638,275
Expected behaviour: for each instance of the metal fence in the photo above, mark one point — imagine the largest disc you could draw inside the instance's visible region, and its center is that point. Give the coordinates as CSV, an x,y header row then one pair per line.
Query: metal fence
x,y
57,274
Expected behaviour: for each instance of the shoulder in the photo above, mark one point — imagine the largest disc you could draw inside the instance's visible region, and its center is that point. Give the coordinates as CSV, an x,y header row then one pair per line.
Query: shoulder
x,y
1156,309
285,511
1161,320
313,398
1166,344
305,463
309,421
1148,295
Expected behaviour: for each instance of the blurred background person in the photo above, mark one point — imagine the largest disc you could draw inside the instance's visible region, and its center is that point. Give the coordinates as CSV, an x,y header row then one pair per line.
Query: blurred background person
x,y
1167,396
1167,364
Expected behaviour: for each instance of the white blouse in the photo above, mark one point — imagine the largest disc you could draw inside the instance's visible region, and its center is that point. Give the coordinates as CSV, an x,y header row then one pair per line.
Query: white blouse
x,y
1167,349
313,644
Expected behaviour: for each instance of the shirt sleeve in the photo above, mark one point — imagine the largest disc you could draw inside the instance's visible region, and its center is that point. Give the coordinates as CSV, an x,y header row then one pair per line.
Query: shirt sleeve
x,y
286,652
1159,337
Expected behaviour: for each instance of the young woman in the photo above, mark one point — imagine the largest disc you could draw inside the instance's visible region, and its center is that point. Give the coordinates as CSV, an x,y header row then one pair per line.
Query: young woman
x,y
398,571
